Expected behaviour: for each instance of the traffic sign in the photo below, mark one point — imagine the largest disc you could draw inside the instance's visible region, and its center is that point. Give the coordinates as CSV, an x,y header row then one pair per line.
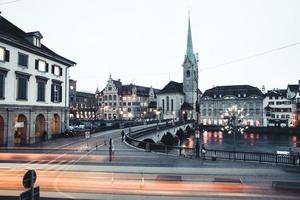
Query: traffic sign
x,y
29,179
27,195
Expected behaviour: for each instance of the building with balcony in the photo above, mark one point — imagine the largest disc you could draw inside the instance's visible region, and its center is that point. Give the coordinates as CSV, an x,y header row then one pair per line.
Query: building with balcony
x,y
277,108
33,87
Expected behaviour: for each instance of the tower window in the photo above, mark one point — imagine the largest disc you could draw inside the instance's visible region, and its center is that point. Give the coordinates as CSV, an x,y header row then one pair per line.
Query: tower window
x,y
188,73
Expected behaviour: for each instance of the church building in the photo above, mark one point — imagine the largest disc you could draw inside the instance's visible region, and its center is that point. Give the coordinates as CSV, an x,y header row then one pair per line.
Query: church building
x,y
180,100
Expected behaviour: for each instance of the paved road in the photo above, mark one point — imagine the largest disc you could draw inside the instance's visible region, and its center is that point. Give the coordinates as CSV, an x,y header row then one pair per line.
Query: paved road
x,y
75,171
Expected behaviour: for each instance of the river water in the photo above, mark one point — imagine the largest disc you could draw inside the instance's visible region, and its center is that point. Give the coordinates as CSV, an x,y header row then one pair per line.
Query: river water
x,y
253,142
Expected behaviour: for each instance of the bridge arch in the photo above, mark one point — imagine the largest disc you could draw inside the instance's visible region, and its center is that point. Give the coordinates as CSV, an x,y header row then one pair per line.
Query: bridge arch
x,y
142,144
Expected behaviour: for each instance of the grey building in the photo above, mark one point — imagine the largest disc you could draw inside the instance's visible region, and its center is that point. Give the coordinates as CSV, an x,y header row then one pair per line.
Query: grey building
x,y
215,101
83,105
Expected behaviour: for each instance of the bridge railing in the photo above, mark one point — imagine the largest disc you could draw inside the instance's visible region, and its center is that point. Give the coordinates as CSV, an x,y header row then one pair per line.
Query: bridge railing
x,y
216,154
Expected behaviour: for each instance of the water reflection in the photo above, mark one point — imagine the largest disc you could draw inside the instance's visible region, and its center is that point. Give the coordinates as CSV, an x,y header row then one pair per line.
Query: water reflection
x,y
248,141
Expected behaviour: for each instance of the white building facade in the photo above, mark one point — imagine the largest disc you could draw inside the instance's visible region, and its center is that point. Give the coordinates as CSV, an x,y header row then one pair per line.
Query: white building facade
x,y
33,88
278,109
215,101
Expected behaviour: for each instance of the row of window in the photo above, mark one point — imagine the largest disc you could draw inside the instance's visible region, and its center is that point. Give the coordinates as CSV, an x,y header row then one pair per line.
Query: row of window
x,y
280,103
276,97
224,106
120,104
167,105
22,87
281,110
114,98
40,65
281,116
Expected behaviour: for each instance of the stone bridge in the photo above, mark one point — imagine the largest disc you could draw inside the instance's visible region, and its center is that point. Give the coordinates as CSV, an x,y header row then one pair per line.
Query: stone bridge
x,y
158,134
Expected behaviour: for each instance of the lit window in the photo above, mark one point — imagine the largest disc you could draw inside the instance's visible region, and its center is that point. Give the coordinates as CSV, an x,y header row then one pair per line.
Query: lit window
x,y
2,54
56,70
41,65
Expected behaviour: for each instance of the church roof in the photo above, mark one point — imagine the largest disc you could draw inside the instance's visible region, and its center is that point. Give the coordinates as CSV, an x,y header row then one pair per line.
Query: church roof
x,y
232,90
172,87
190,57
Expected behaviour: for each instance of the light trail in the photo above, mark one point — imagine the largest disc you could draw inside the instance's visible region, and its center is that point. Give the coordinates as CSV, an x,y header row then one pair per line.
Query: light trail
x,y
124,184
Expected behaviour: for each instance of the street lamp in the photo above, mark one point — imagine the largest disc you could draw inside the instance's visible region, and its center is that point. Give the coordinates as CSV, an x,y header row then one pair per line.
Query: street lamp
x,y
197,135
233,118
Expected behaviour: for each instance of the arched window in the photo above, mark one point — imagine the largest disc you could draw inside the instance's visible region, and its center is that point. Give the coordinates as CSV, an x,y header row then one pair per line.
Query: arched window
x,y
109,97
105,98
163,105
167,103
172,105
115,97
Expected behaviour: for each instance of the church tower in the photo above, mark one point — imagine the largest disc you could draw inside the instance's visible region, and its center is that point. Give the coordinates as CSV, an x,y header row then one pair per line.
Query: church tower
x,y
190,72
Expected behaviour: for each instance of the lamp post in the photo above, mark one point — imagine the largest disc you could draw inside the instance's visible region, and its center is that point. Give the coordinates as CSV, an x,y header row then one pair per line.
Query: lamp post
x,y
197,135
233,118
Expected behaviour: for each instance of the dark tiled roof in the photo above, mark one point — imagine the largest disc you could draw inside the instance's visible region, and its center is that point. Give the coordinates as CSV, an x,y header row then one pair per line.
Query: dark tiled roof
x,y
172,87
118,85
85,94
294,88
232,90
140,90
9,33
276,93
186,106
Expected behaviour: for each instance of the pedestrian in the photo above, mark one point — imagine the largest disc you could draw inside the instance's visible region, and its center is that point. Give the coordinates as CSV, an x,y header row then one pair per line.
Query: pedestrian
x,y
122,134
203,151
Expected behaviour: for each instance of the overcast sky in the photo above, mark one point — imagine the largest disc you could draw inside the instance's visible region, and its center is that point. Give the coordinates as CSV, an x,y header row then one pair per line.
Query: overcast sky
x,y
144,41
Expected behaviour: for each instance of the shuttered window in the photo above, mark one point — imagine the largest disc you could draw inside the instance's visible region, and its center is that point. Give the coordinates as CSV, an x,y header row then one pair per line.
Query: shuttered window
x,y
56,92
23,60
22,88
41,66
56,70
41,85
2,79
4,55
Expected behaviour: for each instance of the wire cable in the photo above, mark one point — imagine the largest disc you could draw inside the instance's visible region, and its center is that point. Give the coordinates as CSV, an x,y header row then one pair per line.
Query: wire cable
x,y
9,2
250,57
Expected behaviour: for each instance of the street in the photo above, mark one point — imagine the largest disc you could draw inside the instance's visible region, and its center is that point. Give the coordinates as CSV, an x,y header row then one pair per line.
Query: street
x,y
79,171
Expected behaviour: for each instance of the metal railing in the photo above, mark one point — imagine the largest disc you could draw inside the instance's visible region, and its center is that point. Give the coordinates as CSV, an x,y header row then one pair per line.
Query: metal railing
x,y
211,153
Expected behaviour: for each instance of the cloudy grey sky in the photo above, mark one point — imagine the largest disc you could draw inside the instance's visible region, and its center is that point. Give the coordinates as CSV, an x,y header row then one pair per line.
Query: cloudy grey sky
x,y
144,41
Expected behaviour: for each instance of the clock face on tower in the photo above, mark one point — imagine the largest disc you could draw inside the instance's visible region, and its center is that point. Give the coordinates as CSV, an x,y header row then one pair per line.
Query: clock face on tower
x,y
72,87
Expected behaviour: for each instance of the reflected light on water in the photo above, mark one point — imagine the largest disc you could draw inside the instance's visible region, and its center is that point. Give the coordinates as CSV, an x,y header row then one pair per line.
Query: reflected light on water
x,y
295,141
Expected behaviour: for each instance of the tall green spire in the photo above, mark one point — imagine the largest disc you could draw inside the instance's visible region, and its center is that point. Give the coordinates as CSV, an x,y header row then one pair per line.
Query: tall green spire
x,y
189,47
